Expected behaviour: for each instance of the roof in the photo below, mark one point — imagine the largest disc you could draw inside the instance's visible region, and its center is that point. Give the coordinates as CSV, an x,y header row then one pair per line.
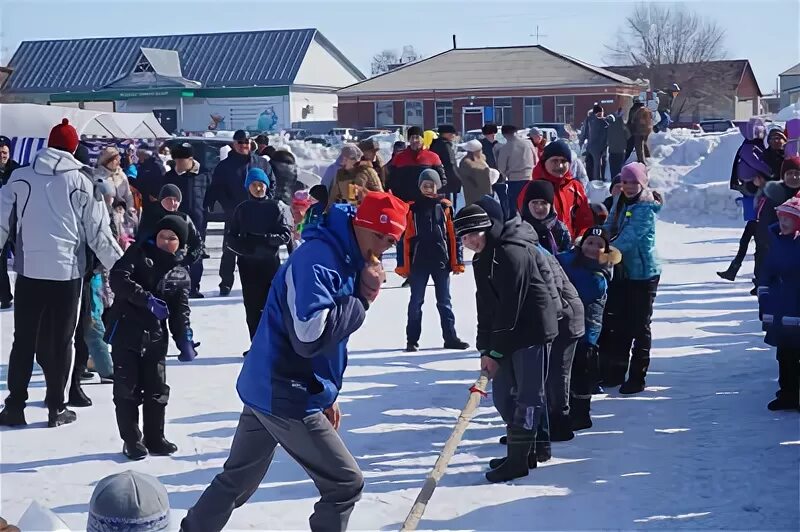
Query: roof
x,y
726,74
523,67
794,71
273,58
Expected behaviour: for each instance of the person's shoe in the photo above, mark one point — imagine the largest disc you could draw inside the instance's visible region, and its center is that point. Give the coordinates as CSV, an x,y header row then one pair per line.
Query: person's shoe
x,y
503,440
405,284
494,463
11,417
543,451
196,294
612,382
224,291
560,430
5,304
108,379
134,450
579,418
57,417
78,398
782,403
456,343
161,447
87,375
631,387
598,390
412,347
729,274
515,465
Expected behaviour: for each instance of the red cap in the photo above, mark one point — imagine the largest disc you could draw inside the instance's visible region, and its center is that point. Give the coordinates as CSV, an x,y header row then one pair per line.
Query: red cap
x,y
383,213
64,137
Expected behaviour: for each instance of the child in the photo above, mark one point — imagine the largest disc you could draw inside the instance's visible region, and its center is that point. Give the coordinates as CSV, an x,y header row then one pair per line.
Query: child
x,y
256,231
780,303
124,223
538,211
632,226
589,267
430,249
301,201
151,289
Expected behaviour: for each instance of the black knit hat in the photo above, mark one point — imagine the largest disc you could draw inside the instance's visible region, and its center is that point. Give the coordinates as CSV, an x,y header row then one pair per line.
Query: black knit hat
x,y
509,129
177,225
414,131
558,148
489,129
597,231
182,151
540,190
447,128
597,108
170,191
262,139
471,219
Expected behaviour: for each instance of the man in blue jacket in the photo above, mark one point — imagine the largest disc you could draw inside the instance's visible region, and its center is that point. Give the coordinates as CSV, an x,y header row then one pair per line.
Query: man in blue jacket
x,y
293,373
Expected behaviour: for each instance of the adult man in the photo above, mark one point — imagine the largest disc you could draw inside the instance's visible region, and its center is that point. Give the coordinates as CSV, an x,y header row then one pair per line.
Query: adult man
x,y
539,141
618,135
403,180
515,162
293,372
490,146
445,148
7,165
595,133
666,97
262,142
227,187
149,176
193,185
57,214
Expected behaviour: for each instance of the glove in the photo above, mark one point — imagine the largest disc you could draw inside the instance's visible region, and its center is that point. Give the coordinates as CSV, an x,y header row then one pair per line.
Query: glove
x,y
157,307
188,349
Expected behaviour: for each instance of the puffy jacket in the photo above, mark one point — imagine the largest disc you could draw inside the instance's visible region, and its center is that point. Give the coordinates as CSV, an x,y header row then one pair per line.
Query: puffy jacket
x,y
489,147
780,304
515,159
748,164
571,313
299,353
195,247
404,171
570,203
57,214
351,185
633,230
119,181
227,184
430,239
476,178
257,229
194,186
618,135
447,154
591,280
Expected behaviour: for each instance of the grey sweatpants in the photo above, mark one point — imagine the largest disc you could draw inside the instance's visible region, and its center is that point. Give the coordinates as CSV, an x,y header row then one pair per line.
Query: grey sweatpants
x,y
518,388
312,442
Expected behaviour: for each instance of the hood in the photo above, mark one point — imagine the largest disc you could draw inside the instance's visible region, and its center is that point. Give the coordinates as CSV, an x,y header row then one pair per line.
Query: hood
x,y
778,192
51,161
518,232
337,229
539,172
650,199
755,128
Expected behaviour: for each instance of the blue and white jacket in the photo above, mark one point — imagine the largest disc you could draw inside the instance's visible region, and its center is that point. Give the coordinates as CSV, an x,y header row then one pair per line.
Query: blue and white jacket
x,y
633,230
779,293
299,353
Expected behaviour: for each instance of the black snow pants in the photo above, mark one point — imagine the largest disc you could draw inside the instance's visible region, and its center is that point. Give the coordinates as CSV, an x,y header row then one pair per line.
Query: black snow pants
x,y
256,277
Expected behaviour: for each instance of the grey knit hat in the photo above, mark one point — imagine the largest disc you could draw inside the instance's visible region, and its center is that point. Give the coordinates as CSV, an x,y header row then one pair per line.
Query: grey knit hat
x,y
128,502
430,175
170,191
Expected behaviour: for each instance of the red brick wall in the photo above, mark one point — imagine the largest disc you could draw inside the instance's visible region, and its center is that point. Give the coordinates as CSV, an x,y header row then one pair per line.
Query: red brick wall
x,y
549,108
357,115
429,114
400,112
516,111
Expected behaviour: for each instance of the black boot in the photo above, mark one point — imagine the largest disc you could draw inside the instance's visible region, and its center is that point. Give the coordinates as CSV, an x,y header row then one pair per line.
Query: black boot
x,y
412,347
560,429
579,413
515,465
60,416
134,450
543,451
77,397
456,343
632,386
12,417
638,371
494,463
730,273
154,440
783,403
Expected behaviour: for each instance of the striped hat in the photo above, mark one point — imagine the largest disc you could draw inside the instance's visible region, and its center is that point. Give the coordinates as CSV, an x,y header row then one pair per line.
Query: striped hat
x,y
790,208
471,219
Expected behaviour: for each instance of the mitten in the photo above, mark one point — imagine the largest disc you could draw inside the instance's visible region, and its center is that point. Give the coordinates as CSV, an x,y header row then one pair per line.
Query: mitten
x,y
157,307
188,349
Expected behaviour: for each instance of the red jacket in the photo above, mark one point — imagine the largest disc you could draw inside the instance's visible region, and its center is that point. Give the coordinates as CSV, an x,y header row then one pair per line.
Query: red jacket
x,y
404,171
570,201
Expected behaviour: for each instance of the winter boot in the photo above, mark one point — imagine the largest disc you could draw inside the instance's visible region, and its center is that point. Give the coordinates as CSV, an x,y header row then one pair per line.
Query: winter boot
x,y
579,413
494,463
543,451
632,386
224,291
560,429
154,440
515,465
5,304
134,450
77,397
12,417
456,343
783,403
638,371
60,416
730,273
196,294
412,347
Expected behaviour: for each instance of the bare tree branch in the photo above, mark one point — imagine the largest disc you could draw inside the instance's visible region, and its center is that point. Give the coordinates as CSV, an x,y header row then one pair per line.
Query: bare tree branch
x,y
384,61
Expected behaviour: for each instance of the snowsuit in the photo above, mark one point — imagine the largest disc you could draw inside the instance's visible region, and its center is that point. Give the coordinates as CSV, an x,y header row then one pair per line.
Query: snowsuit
x,y
570,201
404,171
257,230
430,249
139,340
194,245
292,373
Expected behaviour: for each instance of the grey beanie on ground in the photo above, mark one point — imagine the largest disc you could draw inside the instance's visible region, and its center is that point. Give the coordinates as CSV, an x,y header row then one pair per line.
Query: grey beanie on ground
x,y
170,191
430,175
128,502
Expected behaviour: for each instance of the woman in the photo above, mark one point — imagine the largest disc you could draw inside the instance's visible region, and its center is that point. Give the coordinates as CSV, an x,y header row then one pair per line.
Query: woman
x,y
350,153
370,149
109,168
632,226
475,173
353,180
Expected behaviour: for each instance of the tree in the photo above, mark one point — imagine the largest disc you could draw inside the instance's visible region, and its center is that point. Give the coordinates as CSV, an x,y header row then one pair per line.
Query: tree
x,y
388,59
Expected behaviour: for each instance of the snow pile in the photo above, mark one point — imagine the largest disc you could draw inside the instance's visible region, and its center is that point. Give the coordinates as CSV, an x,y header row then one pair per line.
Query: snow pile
x,y
789,112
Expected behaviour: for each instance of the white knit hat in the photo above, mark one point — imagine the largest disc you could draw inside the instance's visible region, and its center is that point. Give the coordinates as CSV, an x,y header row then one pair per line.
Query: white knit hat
x,y
472,146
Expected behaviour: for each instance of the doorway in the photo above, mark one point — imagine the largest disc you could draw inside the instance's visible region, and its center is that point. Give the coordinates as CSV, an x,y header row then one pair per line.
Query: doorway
x,y
471,118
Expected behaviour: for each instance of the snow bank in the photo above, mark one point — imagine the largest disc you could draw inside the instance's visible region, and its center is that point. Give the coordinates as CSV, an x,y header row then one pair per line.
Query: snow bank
x,y
789,112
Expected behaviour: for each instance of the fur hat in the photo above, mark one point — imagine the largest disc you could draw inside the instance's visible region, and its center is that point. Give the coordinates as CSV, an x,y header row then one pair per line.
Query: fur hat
x,y
108,153
430,175
64,137
471,219
170,191
635,171
128,501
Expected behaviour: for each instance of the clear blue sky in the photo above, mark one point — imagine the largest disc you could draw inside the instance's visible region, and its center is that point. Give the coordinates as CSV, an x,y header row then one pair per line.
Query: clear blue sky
x,y
763,31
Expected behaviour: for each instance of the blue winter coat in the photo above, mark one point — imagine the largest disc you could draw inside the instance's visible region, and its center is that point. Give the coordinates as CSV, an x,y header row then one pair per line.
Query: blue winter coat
x,y
780,306
634,232
299,352
590,279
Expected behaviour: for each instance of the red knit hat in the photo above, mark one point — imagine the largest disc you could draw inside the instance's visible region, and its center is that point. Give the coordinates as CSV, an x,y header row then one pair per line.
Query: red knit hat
x,y
791,209
790,163
383,213
64,137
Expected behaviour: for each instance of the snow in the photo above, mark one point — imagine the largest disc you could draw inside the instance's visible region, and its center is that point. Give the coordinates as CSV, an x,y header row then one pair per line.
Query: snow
x,y
697,450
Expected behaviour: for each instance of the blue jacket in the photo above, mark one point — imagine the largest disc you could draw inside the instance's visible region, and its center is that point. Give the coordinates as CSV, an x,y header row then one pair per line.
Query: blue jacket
x,y
780,306
634,230
590,279
299,352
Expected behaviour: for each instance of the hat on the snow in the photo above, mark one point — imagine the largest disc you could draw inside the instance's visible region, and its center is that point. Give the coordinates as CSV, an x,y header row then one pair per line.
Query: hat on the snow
x,y
414,131
182,151
177,225
559,148
472,146
430,174
256,174
128,502
170,191
790,163
383,213
471,219
635,172
447,128
791,208
63,137
539,190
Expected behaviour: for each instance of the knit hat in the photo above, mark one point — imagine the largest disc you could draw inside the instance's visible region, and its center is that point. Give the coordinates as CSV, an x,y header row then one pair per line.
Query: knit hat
x,y
256,174
182,151
539,190
472,146
790,208
447,128
108,153
64,137
240,134
105,188
595,231
471,219
319,193
791,163
535,132
635,171
177,225
414,131
558,148
489,129
508,129
170,191
129,501
382,212
430,175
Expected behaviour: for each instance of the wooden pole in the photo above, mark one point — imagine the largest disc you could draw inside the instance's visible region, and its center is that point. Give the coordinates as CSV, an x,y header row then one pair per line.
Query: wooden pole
x,y
476,392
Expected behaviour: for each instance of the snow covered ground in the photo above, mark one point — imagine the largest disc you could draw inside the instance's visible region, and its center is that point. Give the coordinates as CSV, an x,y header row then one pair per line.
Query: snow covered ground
x,y
698,449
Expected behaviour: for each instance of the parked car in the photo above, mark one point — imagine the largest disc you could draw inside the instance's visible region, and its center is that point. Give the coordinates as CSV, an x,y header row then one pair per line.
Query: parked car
x,y
325,140
564,131
296,133
363,134
346,134
716,125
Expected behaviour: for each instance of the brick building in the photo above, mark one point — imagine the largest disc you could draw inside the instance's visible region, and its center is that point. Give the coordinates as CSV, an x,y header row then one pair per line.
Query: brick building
x,y
468,87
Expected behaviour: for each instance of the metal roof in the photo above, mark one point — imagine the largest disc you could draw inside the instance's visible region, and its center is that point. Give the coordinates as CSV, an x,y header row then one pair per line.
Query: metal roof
x,y
794,71
523,67
241,59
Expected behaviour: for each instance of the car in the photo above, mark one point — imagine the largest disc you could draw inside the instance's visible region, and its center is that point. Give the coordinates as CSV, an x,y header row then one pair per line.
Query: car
x,y
363,134
347,134
716,125
564,131
325,140
296,133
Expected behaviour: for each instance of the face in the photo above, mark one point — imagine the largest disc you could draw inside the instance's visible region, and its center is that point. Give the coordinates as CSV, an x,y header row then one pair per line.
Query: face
x,y
792,178
113,164
242,147
776,142
5,154
120,210
449,136
183,165
349,162
167,240
428,189
373,243
415,142
592,246
631,187
539,208
537,139
170,204
258,189
474,241
557,166
788,224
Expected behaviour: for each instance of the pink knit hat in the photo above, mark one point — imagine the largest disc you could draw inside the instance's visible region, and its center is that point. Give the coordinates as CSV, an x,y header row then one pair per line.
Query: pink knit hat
x,y
790,208
635,172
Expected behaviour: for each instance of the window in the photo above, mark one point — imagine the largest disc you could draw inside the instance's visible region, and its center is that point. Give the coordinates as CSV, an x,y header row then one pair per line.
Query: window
x,y
565,109
414,115
335,113
384,113
444,113
532,111
502,111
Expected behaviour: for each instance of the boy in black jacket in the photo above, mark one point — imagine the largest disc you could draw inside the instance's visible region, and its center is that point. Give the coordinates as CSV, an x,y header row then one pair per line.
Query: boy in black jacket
x,y
256,231
150,287
518,307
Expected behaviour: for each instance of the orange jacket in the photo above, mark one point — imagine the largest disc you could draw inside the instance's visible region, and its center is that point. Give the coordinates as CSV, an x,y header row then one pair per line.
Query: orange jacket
x,y
453,244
